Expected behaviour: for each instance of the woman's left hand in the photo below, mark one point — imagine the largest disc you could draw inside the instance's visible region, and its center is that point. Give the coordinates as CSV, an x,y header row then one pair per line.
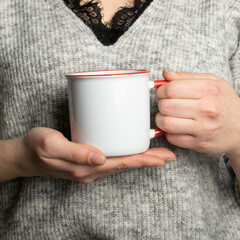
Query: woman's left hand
x,y
200,112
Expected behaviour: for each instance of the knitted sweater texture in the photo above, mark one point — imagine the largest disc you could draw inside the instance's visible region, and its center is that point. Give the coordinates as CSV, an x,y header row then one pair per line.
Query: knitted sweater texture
x,y
194,197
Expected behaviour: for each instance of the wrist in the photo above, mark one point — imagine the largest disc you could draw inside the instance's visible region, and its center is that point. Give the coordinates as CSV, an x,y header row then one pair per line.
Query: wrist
x,y
11,159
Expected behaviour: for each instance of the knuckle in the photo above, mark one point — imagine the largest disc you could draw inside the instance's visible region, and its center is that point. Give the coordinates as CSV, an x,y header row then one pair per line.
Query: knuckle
x,y
76,156
209,128
206,128
157,93
123,165
212,112
47,142
167,124
212,89
171,91
164,107
209,109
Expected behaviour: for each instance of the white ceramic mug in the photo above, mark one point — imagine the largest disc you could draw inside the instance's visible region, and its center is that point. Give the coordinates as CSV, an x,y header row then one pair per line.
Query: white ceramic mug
x,y
110,110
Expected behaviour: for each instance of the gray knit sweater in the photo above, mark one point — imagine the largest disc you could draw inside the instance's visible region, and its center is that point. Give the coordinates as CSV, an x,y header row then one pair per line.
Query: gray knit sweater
x,y
194,197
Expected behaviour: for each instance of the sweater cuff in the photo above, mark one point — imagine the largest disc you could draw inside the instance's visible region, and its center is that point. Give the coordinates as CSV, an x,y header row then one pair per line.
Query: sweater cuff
x,y
231,172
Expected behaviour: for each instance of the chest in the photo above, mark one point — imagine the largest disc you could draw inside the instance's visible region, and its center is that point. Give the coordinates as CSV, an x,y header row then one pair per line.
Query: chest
x,y
109,8
181,36
40,43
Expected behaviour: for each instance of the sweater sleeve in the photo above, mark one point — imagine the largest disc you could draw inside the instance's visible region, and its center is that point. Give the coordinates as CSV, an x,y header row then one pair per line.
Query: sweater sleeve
x,y
233,33
234,64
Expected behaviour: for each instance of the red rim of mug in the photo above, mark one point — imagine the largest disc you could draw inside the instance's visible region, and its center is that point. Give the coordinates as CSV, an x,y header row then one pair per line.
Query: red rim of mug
x,y
82,74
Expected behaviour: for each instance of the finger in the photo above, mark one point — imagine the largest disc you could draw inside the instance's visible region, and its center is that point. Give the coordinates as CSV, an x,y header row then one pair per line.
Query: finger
x,y
73,172
117,166
182,108
85,174
113,165
132,162
62,166
176,125
83,154
166,155
182,89
61,148
70,171
171,75
146,159
183,141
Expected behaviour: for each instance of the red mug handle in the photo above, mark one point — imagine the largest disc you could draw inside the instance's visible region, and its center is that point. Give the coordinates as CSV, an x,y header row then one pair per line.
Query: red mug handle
x,y
154,84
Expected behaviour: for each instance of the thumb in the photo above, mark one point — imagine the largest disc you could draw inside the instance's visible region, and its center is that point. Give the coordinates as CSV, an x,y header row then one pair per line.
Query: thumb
x,y
84,154
53,144
170,75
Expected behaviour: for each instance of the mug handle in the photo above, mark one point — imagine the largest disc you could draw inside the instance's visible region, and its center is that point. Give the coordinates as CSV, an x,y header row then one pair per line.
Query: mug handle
x,y
154,84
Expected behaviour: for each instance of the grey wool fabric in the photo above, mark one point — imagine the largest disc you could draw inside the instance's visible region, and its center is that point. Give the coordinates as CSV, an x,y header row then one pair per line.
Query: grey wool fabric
x,y
194,197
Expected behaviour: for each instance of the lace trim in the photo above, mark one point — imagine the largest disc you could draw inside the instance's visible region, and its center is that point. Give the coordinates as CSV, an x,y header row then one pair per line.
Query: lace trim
x,y
82,3
91,13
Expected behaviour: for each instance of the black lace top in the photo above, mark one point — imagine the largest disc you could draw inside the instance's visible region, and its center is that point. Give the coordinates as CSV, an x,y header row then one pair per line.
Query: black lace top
x,y
107,32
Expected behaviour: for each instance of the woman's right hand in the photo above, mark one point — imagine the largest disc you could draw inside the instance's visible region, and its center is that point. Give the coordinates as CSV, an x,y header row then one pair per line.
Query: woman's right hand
x,y
46,152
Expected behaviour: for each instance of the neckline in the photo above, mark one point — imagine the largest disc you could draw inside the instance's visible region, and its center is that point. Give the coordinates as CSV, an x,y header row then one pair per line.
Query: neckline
x,y
100,7
79,25
91,13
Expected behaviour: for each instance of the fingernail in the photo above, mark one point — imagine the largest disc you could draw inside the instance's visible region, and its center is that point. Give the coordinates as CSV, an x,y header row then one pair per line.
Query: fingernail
x,y
169,71
96,159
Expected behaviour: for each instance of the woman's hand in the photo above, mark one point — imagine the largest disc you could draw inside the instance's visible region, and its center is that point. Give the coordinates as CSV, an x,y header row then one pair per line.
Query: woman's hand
x,y
200,112
46,152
